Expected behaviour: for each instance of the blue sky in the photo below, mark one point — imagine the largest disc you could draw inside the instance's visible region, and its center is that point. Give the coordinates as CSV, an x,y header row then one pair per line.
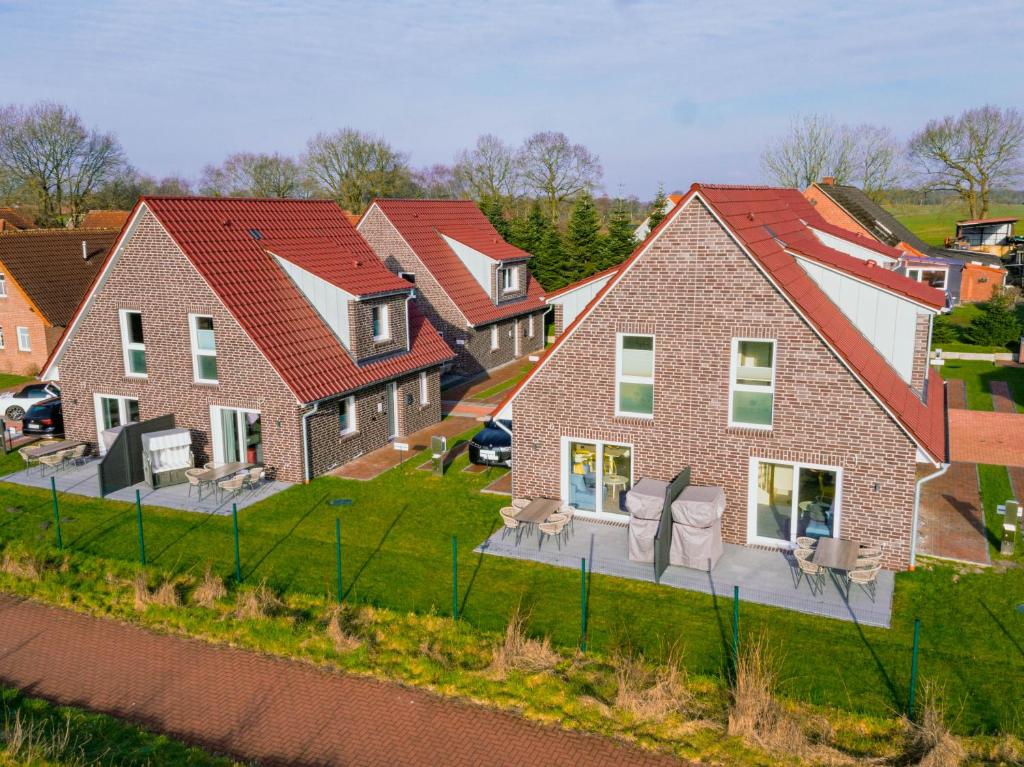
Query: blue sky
x,y
672,92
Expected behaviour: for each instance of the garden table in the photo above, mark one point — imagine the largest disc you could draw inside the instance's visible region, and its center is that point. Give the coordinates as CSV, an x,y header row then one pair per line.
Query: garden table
x,y
836,554
49,448
223,470
538,510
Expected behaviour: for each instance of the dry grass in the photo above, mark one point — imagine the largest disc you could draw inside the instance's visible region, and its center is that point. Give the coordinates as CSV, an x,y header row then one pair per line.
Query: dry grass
x,y
257,602
164,595
648,693
21,564
210,591
342,627
519,652
140,587
929,741
32,742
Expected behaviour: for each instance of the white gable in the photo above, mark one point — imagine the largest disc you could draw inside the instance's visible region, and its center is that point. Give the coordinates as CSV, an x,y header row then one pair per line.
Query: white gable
x,y
575,301
888,321
851,248
330,301
479,265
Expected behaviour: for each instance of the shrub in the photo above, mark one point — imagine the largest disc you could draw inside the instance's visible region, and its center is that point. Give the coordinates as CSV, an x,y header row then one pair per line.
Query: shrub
x,y
518,652
257,602
210,591
998,324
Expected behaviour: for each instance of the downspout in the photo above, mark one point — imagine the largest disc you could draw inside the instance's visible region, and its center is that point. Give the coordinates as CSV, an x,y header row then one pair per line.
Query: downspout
x,y
408,335
306,455
943,468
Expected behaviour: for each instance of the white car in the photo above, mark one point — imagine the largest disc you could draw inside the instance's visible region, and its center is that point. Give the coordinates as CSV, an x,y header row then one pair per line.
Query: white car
x,y
14,404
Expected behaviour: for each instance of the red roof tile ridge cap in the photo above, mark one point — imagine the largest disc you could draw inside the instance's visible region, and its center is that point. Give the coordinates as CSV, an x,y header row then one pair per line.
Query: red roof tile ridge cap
x,y
53,230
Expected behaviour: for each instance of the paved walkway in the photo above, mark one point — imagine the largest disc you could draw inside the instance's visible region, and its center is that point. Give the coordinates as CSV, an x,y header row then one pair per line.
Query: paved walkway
x,y
376,462
271,710
951,525
466,399
985,437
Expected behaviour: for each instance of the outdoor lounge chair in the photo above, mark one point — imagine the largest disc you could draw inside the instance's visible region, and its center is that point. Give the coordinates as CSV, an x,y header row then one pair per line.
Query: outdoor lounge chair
x,y
866,578
232,485
508,518
815,574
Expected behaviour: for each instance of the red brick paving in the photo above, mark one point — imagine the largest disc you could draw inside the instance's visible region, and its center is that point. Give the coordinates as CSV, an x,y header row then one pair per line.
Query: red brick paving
x,y
1002,398
956,394
271,710
501,486
984,437
376,462
952,525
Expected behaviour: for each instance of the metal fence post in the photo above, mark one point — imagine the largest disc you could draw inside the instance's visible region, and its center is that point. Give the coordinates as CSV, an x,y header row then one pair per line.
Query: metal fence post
x,y
142,539
56,512
238,557
913,668
735,625
455,577
583,604
337,552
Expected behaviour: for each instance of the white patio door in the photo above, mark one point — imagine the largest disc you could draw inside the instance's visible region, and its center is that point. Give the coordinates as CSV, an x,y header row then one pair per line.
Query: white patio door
x,y
237,435
392,410
596,475
788,500
112,411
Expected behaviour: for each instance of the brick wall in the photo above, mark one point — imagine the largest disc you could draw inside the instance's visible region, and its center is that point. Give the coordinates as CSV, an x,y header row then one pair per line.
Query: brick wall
x,y
17,311
833,213
822,414
922,335
500,296
153,276
361,327
475,355
330,448
559,320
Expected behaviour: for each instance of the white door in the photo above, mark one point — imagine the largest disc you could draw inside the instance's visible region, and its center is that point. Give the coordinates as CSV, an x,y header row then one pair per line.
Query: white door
x,y
237,435
392,410
788,500
112,411
596,476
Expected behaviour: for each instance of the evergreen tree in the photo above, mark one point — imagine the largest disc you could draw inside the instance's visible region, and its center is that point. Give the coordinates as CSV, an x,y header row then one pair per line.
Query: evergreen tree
x,y
657,209
548,264
584,243
527,232
493,208
620,241
998,324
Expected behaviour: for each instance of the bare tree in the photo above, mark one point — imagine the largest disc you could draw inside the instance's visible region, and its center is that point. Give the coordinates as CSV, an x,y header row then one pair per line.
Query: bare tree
x,y
488,170
437,182
971,154
354,167
878,160
814,147
246,174
555,169
124,190
47,149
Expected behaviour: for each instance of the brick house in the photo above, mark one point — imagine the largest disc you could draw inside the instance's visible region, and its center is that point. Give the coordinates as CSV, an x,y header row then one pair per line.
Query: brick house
x,y
966,276
43,275
473,286
267,327
793,375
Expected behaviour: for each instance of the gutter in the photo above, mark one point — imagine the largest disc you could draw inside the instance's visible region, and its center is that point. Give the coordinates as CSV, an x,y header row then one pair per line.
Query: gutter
x,y
307,458
943,468
408,334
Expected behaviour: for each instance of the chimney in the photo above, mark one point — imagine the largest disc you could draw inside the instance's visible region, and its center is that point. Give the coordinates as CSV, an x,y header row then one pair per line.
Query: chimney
x,y
829,180
85,251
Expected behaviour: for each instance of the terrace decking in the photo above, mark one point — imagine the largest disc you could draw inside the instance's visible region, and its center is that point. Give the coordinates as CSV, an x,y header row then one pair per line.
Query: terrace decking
x,y
84,480
764,577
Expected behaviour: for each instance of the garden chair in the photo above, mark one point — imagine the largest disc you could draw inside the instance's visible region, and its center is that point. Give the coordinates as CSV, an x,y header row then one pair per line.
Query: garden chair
x,y
569,513
254,477
209,465
815,574
193,476
28,459
520,503
806,542
54,461
76,455
232,486
871,551
866,578
553,529
508,518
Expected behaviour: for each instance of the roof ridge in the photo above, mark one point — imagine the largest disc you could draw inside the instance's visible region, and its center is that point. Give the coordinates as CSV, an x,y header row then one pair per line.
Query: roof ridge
x,y
216,198
56,230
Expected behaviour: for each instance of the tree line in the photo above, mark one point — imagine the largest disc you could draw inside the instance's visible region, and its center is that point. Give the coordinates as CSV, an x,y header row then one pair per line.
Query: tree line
x,y
972,155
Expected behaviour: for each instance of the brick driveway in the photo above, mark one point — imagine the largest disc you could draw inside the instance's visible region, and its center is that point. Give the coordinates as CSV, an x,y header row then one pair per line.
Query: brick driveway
x,y
271,710
985,437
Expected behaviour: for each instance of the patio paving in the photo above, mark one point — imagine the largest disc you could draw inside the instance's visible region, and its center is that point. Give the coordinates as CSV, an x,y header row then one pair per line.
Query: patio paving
x,y
376,462
977,436
764,576
952,525
84,480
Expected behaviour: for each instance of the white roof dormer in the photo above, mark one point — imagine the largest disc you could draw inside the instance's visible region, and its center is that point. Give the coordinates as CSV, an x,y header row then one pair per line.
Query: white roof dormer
x,y
330,301
479,264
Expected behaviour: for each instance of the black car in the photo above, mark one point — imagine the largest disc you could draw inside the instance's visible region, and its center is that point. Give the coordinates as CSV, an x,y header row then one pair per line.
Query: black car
x,y
492,445
44,418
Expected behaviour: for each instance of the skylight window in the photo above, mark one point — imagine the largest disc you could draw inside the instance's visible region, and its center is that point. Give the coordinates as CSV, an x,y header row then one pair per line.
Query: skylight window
x,y
256,234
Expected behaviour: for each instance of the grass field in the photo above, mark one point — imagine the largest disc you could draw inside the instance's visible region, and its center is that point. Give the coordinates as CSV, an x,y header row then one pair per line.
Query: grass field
x,y
977,376
7,380
934,223
397,553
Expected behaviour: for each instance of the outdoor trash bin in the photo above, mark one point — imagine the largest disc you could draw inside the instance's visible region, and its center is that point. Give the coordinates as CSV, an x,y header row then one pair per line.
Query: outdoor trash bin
x,y
697,527
645,503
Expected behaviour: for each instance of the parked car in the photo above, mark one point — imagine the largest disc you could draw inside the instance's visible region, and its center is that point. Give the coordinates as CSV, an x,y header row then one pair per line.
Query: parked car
x,y
492,445
14,404
44,418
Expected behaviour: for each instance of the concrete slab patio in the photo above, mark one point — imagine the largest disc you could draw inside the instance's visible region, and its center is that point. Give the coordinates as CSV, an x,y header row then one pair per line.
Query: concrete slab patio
x,y
84,480
764,576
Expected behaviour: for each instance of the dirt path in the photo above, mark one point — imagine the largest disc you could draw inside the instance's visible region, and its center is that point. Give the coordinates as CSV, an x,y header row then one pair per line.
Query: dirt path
x,y
271,710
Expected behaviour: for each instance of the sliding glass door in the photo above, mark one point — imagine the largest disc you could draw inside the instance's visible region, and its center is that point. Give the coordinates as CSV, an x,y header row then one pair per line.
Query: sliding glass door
x,y
237,435
596,475
113,411
788,500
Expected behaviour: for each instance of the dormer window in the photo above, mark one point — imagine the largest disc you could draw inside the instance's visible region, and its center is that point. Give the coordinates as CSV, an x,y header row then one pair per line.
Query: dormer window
x,y
380,321
509,279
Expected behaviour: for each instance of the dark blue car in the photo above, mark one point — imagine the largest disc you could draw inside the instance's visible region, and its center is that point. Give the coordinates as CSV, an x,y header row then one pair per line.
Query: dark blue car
x,y
492,445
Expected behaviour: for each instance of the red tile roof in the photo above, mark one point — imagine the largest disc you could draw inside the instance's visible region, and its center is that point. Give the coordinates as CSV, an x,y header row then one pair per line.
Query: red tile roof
x,y
976,221
347,263
12,218
112,219
761,217
214,234
422,222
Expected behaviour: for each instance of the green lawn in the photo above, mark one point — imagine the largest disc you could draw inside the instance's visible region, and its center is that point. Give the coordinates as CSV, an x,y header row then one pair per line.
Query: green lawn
x,y
977,375
397,553
7,380
934,223
994,484
504,385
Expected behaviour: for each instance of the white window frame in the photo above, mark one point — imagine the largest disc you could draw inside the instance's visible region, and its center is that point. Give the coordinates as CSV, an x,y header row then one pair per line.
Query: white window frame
x,y
752,536
193,331
3,285
621,379
495,337
917,274
350,403
215,427
599,445
127,346
385,323
406,275
424,389
24,339
734,387
122,414
509,279
529,326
